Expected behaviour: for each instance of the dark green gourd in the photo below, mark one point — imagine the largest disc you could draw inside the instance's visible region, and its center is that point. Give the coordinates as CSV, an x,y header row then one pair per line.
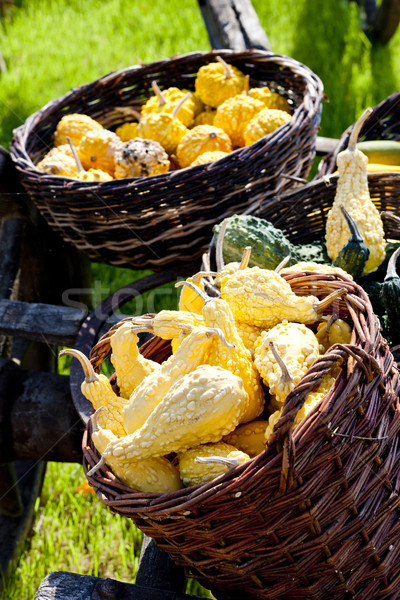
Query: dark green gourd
x,y
390,296
354,254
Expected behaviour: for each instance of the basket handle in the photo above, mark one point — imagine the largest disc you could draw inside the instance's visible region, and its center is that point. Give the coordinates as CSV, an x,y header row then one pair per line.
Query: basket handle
x,y
339,354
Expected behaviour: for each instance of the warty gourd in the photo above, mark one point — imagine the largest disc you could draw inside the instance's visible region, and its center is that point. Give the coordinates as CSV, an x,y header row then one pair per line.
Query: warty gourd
x,y
59,161
127,131
97,389
352,191
218,81
208,157
74,126
269,98
97,148
130,366
266,121
200,407
354,254
237,358
200,139
164,128
206,462
92,175
314,267
248,437
282,356
166,101
140,158
263,298
189,355
389,295
235,114
149,475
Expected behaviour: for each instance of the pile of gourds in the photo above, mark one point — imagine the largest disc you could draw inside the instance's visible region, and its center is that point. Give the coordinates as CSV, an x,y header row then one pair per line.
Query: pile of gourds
x,y
176,128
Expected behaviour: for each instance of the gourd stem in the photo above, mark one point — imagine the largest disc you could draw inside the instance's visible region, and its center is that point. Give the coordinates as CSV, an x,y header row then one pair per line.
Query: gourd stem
x,y
247,85
391,270
161,98
231,463
244,263
217,331
94,419
142,325
227,69
333,317
127,110
142,329
219,258
86,365
355,234
282,264
96,467
286,375
75,155
178,106
195,288
322,304
357,128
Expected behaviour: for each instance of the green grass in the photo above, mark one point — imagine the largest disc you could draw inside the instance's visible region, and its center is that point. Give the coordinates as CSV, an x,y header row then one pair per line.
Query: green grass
x,y
51,46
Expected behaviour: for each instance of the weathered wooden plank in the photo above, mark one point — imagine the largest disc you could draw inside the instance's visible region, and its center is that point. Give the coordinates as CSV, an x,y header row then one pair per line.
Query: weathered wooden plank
x,y
233,24
385,21
157,570
62,585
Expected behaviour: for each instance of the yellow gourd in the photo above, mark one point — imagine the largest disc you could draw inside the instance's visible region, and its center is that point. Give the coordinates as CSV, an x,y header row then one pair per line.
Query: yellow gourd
x,y
189,300
262,298
140,158
59,161
234,114
200,407
74,126
266,121
130,366
97,149
218,81
353,193
283,355
248,437
315,267
164,128
97,389
127,131
206,117
208,157
149,475
206,462
145,398
270,99
201,139
167,100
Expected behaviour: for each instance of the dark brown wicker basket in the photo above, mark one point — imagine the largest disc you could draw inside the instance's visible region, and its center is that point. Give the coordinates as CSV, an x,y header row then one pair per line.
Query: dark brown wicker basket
x,y
155,221
316,515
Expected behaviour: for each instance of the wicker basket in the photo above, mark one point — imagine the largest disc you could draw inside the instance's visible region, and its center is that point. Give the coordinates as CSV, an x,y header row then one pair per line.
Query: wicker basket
x,y
317,514
156,221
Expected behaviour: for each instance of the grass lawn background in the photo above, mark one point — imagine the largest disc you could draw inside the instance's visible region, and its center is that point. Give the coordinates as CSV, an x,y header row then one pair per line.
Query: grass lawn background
x,y
51,46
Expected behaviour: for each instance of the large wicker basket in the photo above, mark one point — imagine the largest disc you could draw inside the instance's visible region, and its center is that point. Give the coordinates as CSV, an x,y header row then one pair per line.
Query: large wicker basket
x,y
317,514
156,221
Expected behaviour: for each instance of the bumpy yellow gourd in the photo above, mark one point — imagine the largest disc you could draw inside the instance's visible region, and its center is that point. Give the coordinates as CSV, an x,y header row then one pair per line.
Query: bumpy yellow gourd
x,y
206,117
262,298
216,313
201,407
249,335
145,398
169,324
94,175
164,128
282,356
206,462
248,437
166,101
264,122
201,139
208,157
189,300
234,114
353,193
312,400
333,331
74,126
96,149
140,158
97,389
270,99
149,475
127,131
130,366
59,161
218,81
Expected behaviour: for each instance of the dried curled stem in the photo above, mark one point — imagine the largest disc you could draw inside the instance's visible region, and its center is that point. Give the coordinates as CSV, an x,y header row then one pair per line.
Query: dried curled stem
x,y
86,365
